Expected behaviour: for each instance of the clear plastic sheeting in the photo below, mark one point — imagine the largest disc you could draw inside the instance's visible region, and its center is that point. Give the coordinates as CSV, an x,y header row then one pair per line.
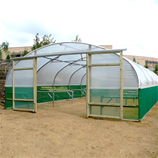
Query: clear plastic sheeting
x,y
146,78
105,77
71,70
105,59
62,70
64,75
76,77
109,76
24,64
64,47
24,77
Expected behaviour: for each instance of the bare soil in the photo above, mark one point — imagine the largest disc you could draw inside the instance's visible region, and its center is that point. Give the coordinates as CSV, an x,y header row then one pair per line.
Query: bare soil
x,y
64,131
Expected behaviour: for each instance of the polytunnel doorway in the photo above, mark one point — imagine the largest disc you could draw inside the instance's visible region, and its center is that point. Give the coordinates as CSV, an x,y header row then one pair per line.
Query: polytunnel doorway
x,y
68,73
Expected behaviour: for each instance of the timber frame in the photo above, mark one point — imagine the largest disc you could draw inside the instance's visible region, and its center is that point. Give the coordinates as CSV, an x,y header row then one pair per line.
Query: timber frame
x,y
89,103
88,53
34,100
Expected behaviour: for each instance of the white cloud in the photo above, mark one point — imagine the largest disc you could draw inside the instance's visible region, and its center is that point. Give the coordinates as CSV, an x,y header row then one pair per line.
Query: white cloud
x,y
130,24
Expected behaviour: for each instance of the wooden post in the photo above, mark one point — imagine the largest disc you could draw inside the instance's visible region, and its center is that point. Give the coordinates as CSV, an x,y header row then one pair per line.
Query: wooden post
x,y
121,85
88,82
13,85
35,83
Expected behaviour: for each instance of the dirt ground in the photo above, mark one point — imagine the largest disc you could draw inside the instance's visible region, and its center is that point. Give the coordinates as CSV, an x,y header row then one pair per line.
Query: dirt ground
x,y
64,131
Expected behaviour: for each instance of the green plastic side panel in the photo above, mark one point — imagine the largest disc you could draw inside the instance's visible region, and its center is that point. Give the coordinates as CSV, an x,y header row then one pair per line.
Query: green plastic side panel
x,y
27,93
44,97
20,93
147,99
24,105
105,110
23,92
130,102
131,113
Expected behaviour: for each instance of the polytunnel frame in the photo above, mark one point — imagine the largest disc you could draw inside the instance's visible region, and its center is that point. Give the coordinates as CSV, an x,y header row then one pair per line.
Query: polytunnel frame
x,y
88,53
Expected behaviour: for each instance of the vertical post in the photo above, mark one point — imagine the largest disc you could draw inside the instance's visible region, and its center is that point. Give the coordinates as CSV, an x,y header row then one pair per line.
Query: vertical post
x,y
35,83
88,82
121,85
13,86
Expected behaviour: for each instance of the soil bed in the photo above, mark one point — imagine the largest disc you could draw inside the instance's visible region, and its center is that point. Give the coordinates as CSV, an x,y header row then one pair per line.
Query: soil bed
x,y
64,131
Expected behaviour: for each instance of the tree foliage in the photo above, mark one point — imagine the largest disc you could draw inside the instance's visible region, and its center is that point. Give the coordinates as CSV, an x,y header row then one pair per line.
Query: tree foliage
x,y
8,57
134,59
45,41
146,65
25,52
4,46
156,69
77,39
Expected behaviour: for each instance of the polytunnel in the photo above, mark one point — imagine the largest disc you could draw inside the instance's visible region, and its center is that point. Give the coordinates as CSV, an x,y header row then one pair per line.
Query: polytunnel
x,y
114,87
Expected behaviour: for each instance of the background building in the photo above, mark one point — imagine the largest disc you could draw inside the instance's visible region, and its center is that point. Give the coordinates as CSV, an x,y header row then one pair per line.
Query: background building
x,y
16,51
148,61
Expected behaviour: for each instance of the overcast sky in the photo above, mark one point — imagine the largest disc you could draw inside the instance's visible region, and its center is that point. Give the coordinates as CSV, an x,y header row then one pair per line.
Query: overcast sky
x,y
131,24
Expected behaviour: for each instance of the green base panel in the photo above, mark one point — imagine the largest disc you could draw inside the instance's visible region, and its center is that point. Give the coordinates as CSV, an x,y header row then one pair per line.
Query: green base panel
x,y
20,93
110,96
148,97
137,103
42,97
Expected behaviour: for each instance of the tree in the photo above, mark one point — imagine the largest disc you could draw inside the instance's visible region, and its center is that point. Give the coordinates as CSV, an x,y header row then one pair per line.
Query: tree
x,y
134,59
4,47
156,69
25,52
77,39
8,57
45,41
146,65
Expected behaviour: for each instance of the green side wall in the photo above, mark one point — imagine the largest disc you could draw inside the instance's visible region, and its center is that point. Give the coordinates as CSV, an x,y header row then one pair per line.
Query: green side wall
x,y
27,93
130,102
20,93
142,100
44,97
147,99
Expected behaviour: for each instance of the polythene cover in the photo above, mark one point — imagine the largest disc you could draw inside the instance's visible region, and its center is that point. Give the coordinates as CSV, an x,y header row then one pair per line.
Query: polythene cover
x,y
64,70
49,69
108,77
146,78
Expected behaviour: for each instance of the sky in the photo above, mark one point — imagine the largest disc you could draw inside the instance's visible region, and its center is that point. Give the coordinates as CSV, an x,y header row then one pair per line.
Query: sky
x,y
131,24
